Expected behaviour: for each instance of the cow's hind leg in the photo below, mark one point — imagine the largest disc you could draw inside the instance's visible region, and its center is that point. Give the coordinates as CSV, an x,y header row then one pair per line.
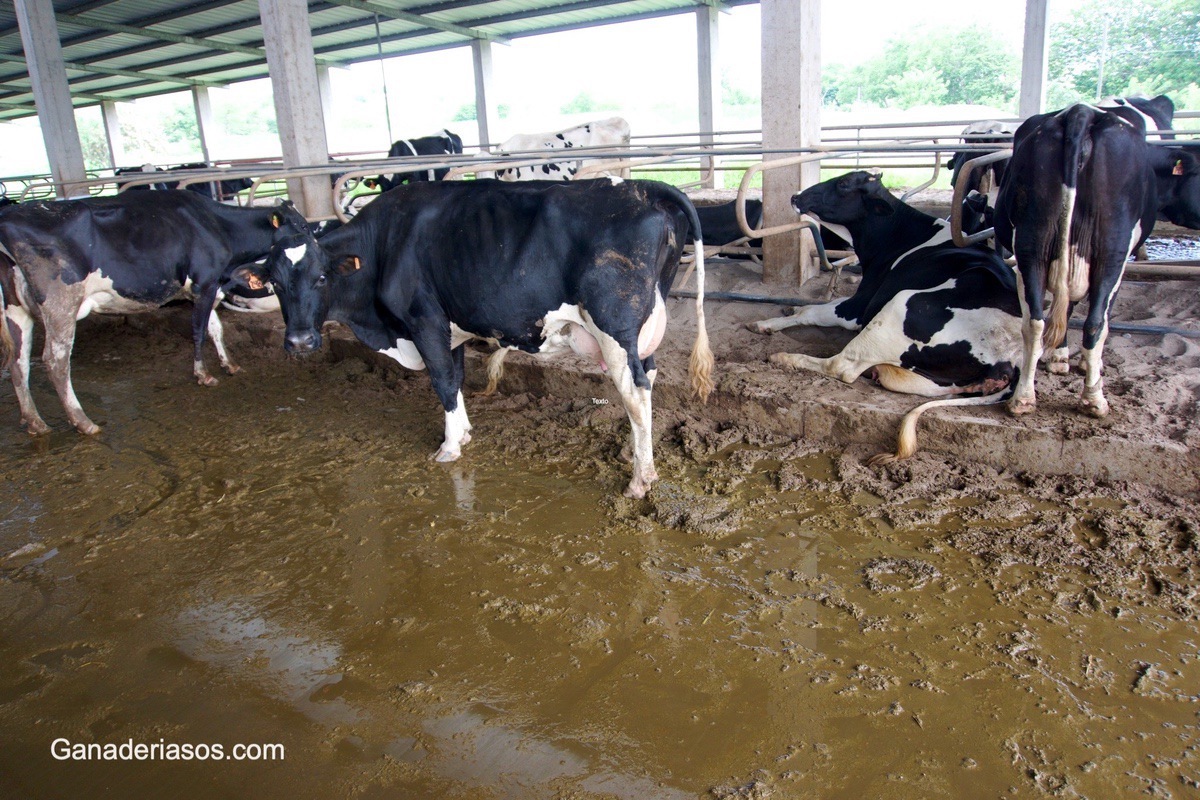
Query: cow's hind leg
x,y
1095,333
20,325
203,315
60,341
446,374
217,334
881,342
634,385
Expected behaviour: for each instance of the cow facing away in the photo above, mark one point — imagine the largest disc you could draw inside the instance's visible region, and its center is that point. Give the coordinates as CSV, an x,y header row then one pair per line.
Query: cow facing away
x,y
1080,194
612,132
542,267
442,143
61,260
937,320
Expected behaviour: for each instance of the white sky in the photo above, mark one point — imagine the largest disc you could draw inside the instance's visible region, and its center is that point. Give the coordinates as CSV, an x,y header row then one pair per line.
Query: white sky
x,y
646,69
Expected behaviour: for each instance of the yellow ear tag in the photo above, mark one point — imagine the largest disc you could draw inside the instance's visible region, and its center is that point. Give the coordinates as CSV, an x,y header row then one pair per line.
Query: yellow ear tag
x,y
357,264
274,220
1178,170
255,283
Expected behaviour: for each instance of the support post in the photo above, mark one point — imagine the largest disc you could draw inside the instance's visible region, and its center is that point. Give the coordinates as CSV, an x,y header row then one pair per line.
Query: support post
x,y
709,81
204,119
51,94
288,40
112,133
1033,59
791,117
325,87
485,107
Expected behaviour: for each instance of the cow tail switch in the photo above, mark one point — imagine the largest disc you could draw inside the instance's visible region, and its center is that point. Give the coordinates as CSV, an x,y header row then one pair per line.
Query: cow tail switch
x,y
701,364
7,348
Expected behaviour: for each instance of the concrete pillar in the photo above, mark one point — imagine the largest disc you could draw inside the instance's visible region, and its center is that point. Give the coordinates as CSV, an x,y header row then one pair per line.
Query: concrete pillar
x,y
112,133
51,94
205,121
485,106
709,78
288,41
325,87
791,118
1033,59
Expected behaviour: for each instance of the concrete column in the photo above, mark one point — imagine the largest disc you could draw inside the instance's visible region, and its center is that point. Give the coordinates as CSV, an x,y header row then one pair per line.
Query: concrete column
x,y
288,41
791,118
485,106
51,94
205,121
112,133
709,78
1033,59
325,87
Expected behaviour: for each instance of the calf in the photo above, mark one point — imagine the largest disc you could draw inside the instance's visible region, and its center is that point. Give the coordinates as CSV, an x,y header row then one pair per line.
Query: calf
x,y
60,261
613,132
937,320
541,267
441,143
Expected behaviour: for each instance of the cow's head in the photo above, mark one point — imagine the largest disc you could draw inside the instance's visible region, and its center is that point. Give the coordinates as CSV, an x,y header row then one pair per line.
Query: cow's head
x,y
302,272
853,198
1177,175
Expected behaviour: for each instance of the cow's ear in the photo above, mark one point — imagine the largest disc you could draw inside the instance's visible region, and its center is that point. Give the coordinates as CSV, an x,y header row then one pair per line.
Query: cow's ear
x,y
347,265
251,276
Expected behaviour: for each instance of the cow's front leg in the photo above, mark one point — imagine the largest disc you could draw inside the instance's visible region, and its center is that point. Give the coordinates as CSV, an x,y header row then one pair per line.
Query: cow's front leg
x,y
20,326
202,316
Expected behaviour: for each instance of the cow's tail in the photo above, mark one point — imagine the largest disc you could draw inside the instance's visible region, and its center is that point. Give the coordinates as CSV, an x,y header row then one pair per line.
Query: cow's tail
x,y
1068,271
700,365
495,371
8,348
906,440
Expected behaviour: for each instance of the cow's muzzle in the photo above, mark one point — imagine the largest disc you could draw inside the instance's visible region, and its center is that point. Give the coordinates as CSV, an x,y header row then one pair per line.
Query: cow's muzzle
x,y
302,343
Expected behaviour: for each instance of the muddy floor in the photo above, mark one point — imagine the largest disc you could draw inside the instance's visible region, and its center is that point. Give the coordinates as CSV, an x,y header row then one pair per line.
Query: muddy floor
x,y
275,560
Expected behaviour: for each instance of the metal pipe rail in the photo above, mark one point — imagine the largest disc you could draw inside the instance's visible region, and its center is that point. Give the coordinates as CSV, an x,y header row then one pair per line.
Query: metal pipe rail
x,y
960,189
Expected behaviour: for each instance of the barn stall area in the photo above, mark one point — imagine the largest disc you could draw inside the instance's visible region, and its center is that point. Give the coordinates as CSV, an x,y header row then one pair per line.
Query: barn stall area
x,y
276,561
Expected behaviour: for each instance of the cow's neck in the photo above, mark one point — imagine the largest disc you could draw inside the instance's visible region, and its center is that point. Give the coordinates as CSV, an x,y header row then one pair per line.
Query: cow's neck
x,y
880,241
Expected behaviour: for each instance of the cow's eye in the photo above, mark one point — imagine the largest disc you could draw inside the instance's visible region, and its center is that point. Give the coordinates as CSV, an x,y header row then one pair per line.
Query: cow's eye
x,y
321,280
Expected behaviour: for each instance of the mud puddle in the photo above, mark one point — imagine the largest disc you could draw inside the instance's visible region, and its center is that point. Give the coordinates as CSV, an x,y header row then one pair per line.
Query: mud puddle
x,y
276,561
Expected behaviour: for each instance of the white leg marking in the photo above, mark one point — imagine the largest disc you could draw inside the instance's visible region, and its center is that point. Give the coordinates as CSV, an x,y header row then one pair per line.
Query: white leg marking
x,y
458,433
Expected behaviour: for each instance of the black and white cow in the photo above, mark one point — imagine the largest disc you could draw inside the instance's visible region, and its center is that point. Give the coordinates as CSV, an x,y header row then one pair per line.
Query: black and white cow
x,y
720,222
61,260
1079,195
222,190
937,320
442,143
542,267
612,132
1157,113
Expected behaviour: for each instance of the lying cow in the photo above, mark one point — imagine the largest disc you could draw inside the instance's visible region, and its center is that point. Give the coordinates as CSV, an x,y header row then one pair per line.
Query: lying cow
x,y
613,132
60,261
1080,194
443,143
541,267
937,320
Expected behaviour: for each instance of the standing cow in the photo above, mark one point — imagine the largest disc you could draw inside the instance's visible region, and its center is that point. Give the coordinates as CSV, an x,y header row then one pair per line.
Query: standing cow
x,y
1079,195
542,267
62,260
442,143
612,132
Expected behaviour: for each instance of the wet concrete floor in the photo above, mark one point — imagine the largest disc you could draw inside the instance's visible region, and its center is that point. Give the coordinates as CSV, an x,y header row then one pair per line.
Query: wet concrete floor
x,y
276,561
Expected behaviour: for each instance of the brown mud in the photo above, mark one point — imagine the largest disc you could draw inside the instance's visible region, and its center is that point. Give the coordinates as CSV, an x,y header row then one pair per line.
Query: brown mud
x,y
276,560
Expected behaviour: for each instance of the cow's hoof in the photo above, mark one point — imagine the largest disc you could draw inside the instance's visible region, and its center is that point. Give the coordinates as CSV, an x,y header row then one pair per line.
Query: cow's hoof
x,y
636,489
206,380
87,427
1097,407
626,454
446,455
35,427
784,360
232,369
1018,407
759,327
1059,368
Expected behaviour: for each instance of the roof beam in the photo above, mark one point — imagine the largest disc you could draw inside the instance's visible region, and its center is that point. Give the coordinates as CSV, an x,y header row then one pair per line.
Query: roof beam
x,y
417,19
125,73
162,36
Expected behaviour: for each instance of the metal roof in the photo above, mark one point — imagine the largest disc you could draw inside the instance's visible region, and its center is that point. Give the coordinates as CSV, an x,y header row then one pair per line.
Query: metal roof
x,y
125,49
